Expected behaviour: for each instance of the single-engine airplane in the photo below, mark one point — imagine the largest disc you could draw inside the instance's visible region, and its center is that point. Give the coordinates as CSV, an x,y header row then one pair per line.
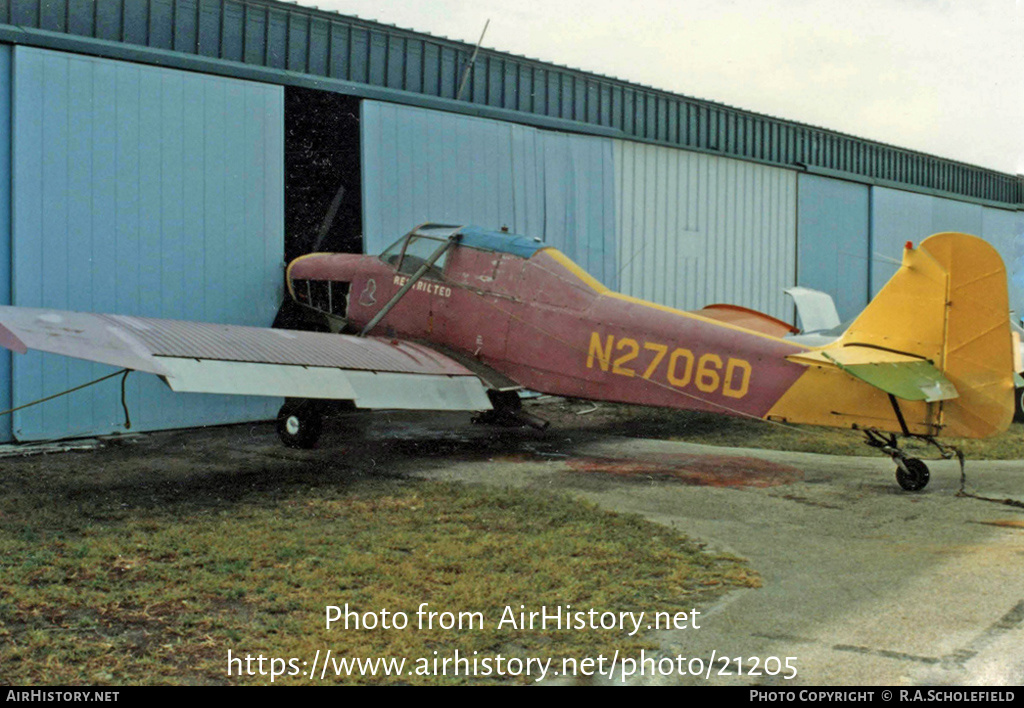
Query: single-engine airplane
x,y
462,318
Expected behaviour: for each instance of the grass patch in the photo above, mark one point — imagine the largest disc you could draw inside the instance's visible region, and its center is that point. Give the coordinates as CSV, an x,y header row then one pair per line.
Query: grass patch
x,y
1008,445
710,429
158,593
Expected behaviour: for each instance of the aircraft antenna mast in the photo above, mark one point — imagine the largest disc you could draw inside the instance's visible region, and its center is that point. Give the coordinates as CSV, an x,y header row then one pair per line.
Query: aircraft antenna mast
x,y
472,61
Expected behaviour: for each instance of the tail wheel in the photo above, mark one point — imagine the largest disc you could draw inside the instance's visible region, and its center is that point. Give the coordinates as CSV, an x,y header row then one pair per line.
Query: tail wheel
x,y
914,477
299,424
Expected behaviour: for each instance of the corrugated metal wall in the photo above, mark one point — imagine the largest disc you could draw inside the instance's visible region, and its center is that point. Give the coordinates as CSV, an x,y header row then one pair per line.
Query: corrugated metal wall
x,y
1005,230
579,203
6,54
421,165
833,237
290,44
1016,269
898,216
695,229
145,191
676,227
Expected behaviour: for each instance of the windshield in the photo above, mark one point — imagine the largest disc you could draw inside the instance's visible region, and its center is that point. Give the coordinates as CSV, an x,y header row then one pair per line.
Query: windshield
x,y
417,251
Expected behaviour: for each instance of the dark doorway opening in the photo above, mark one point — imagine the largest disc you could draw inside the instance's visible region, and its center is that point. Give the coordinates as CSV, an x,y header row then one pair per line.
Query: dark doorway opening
x,y
322,189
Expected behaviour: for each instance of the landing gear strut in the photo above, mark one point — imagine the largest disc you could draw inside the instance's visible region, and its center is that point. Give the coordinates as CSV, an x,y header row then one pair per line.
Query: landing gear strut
x,y
911,473
508,412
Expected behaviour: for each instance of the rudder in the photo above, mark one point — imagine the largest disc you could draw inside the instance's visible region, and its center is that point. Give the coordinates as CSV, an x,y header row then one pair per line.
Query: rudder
x,y
948,303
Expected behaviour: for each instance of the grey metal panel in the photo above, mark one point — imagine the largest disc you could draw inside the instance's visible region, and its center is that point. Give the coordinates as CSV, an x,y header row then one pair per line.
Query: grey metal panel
x,y
898,216
832,238
421,165
142,191
695,229
309,43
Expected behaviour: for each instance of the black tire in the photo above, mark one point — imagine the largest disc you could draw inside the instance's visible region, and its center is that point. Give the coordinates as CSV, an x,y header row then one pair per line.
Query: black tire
x,y
299,424
916,477
1018,400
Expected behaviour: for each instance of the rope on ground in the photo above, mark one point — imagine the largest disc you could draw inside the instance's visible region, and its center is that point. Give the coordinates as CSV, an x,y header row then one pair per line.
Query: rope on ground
x,y
962,492
123,373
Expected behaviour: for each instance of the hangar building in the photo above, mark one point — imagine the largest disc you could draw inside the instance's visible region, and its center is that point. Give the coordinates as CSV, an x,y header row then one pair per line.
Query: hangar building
x,y
164,157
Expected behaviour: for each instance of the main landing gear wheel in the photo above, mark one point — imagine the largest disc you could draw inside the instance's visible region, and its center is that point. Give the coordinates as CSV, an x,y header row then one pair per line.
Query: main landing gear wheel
x,y
299,424
913,474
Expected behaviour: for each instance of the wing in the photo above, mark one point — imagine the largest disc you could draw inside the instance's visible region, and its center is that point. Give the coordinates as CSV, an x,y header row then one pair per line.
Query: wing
x,y
212,358
817,310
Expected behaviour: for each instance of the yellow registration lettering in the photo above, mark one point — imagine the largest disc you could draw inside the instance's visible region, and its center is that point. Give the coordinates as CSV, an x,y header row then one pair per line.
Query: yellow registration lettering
x,y
660,350
673,362
633,350
603,353
734,388
708,367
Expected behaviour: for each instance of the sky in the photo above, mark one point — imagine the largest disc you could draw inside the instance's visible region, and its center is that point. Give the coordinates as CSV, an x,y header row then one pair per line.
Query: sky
x,y
941,76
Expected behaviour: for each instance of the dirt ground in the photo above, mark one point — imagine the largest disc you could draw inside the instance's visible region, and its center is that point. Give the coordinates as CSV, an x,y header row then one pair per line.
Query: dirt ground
x,y
863,583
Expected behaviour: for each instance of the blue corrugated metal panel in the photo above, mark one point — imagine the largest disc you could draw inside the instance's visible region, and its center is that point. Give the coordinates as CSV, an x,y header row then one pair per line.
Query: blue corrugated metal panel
x,y
695,229
145,191
832,240
1005,230
1016,268
579,201
898,216
421,165
5,228
310,43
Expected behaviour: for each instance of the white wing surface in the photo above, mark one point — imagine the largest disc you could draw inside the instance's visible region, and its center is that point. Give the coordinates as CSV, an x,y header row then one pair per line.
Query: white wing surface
x,y
214,358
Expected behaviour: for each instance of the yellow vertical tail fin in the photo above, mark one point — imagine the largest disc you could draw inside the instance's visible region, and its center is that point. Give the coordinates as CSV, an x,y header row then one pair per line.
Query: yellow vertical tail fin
x,y
948,303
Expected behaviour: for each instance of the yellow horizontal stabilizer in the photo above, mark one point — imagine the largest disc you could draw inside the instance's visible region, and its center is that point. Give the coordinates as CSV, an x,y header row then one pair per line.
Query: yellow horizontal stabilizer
x,y
908,377
852,355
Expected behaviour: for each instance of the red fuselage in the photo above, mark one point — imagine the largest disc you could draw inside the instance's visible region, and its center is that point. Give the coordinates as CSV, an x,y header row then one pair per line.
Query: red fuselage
x,y
547,325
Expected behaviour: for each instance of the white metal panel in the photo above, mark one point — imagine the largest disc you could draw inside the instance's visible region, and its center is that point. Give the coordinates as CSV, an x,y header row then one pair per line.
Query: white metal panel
x,y
816,310
419,392
369,389
696,229
251,379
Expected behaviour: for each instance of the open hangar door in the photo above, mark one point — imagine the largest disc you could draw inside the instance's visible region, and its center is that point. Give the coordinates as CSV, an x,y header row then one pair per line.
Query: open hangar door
x,y
145,191
323,177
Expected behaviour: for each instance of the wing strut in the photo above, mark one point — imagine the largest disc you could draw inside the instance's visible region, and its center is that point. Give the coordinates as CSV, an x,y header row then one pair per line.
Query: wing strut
x,y
440,251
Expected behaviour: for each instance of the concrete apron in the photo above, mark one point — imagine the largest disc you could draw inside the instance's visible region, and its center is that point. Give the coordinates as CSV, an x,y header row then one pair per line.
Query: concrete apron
x,y
863,583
